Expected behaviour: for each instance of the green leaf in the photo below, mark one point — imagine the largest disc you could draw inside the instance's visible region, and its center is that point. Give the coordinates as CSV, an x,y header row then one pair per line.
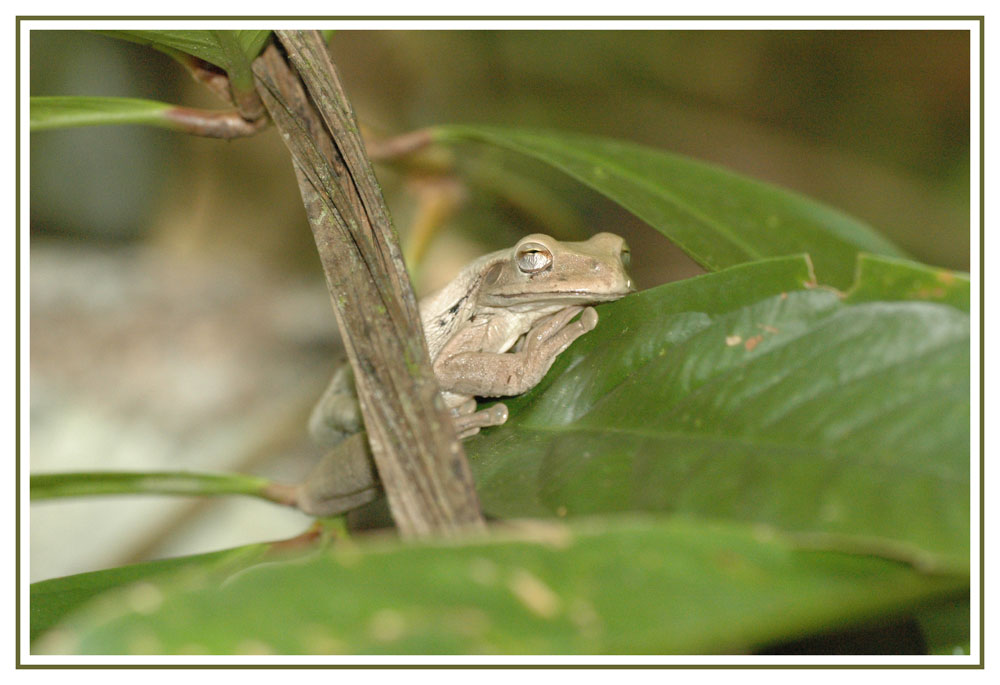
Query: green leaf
x,y
52,485
622,586
947,627
237,60
884,278
745,396
717,217
211,46
66,112
52,600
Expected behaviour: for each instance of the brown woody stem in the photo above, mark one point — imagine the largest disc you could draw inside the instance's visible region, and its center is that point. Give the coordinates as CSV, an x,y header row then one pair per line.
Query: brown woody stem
x,y
420,462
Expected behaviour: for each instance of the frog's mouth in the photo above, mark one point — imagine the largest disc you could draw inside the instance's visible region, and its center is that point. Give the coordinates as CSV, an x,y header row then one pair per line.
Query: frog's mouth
x,y
539,300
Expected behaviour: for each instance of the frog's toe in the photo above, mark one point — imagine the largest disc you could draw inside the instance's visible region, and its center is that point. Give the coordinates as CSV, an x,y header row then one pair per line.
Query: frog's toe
x,y
498,413
469,425
465,408
468,433
588,319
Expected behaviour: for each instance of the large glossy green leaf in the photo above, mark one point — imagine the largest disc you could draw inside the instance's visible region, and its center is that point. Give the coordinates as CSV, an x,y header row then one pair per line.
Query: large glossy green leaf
x,y
883,278
211,46
746,396
617,586
52,600
718,217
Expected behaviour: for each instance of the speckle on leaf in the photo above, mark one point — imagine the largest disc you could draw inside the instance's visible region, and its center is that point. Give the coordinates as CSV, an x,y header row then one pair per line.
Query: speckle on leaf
x,y
753,342
535,595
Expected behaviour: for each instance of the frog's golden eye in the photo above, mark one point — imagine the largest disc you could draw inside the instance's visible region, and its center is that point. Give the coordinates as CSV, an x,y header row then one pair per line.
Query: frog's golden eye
x,y
626,255
533,257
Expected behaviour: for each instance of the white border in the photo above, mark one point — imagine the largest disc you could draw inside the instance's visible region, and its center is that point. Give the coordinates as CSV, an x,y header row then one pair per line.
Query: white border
x,y
28,25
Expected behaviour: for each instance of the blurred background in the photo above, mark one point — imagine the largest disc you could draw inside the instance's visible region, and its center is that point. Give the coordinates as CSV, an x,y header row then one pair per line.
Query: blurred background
x,y
179,317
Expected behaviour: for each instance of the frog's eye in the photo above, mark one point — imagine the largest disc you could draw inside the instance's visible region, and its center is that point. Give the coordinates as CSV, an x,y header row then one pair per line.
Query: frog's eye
x,y
533,257
626,255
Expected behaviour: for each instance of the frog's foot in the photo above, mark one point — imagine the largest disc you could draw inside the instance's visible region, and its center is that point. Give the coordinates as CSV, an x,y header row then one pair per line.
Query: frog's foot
x,y
469,424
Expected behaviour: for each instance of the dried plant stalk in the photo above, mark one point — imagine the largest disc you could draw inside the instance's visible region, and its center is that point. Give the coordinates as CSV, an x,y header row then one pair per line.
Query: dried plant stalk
x,y
420,462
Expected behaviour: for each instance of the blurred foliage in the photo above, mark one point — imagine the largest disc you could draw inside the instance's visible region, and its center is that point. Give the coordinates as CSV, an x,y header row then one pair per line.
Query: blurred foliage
x,y
224,49
872,122
689,587
101,183
192,196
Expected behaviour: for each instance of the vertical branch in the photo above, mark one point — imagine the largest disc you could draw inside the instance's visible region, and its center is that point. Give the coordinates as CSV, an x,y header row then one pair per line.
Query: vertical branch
x,y
420,462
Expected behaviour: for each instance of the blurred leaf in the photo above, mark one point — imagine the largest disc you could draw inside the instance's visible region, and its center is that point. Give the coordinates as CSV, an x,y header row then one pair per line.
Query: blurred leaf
x,y
623,586
742,396
947,627
70,111
51,485
52,600
881,278
66,112
717,217
210,46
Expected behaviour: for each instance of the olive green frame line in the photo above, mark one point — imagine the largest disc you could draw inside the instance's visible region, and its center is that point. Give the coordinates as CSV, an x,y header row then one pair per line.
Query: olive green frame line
x,y
982,342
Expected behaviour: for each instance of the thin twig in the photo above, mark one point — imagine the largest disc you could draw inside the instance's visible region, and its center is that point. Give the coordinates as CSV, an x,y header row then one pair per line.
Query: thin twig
x,y
381,149
212,124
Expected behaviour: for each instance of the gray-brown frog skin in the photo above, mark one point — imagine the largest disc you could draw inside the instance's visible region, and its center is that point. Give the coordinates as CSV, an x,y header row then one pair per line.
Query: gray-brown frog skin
x,y
496,329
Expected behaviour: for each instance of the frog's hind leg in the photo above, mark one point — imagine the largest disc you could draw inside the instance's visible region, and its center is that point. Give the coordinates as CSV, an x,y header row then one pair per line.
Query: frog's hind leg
x,y
343,480
337,414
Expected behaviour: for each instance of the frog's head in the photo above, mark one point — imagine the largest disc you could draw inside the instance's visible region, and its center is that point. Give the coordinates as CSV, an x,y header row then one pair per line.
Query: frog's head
x,y
541,271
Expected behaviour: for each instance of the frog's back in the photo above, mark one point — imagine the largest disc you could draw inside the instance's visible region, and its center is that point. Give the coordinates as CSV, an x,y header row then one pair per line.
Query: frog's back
x,y
448,310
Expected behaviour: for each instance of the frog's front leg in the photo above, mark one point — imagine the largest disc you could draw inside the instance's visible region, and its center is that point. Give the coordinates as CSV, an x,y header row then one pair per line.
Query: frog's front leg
x,y
488,374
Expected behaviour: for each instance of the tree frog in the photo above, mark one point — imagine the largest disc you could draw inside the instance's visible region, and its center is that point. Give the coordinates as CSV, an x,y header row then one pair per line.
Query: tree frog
x,y
494,331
